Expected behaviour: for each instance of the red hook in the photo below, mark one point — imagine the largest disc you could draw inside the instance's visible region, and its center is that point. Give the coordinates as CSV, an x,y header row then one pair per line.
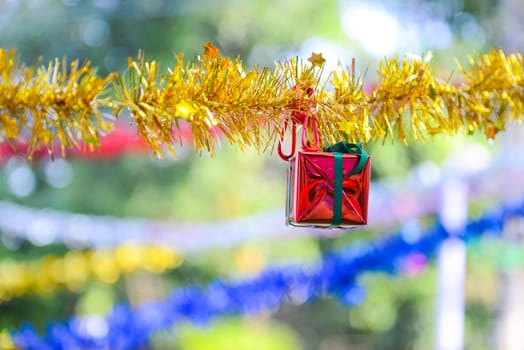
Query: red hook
x,y
287,157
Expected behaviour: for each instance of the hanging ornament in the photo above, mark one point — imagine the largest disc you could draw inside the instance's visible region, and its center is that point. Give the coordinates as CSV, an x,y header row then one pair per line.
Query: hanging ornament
x,y
325,188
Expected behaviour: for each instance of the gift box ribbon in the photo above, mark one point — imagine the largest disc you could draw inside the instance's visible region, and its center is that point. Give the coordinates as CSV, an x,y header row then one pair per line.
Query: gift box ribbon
x,y
338,150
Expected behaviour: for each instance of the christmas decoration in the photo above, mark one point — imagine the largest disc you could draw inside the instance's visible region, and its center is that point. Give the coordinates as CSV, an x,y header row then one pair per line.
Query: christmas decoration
x,y
329,189
69,102
59,101
325,189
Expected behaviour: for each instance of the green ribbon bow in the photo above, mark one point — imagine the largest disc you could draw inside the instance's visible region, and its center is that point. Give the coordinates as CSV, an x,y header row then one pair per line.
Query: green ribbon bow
x,y
339,149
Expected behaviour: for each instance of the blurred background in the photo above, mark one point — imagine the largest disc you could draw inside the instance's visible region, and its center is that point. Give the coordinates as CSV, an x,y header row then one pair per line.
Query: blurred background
x,y
239,188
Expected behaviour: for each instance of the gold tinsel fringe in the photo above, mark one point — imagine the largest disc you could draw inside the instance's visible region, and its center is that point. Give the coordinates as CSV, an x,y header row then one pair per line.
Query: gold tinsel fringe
x,y
249,107
41,104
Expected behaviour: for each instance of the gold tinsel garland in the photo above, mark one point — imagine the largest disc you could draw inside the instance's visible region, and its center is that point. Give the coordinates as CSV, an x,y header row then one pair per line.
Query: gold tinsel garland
x,y
76,268
43,103
250,106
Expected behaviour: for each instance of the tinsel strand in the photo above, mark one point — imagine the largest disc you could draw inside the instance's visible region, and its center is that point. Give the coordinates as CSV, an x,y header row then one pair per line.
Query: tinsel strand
x,y
76,268
217,94
59,101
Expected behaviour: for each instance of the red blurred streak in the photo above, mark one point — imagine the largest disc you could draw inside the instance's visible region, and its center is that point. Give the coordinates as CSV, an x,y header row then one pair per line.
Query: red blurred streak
x,y
122,140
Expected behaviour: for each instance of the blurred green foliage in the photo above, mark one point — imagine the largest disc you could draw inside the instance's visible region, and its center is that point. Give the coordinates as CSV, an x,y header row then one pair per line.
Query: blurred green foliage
x,y
107,31
236,334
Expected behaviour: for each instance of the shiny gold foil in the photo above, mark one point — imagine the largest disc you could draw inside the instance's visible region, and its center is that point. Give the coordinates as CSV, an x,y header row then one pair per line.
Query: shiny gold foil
x,y
59,102
216,95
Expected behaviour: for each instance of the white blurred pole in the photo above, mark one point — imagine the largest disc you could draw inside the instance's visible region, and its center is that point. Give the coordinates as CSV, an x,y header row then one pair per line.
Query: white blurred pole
x,y
451,265
510,308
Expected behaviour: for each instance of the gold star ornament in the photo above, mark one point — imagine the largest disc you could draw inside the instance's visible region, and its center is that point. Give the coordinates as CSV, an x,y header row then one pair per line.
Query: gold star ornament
x,y
316,59
211,51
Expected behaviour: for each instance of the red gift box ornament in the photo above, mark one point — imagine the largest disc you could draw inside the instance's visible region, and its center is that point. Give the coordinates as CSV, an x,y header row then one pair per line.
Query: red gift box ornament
x,y
327,188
